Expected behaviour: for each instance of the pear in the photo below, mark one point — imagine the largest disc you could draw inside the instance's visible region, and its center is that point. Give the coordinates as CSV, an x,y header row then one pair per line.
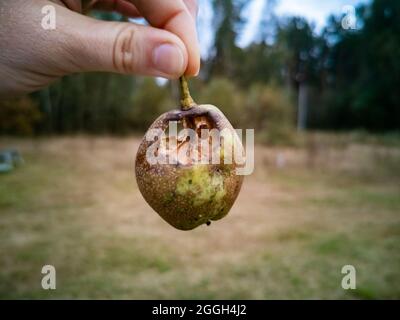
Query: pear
x,y
197,182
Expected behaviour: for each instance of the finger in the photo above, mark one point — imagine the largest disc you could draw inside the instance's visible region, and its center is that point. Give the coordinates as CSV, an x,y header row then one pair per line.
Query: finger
x,y
193,7
123,7
127,48
174,16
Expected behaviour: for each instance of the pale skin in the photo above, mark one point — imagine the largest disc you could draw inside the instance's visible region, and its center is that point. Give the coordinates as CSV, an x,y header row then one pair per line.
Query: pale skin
x,y
31,57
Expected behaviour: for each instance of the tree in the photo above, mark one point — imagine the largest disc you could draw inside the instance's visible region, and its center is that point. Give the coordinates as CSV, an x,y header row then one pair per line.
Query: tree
x,y
365,69
227,21
297,44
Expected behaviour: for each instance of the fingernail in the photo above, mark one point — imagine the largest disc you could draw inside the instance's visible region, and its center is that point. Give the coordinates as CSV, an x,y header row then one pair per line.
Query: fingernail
x,y
168,59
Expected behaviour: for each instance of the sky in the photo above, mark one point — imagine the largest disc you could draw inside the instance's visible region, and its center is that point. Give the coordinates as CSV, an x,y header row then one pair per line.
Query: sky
x,y
316,11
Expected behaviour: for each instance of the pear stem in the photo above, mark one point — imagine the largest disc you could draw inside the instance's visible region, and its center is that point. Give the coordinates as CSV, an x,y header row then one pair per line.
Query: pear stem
x,y
186,99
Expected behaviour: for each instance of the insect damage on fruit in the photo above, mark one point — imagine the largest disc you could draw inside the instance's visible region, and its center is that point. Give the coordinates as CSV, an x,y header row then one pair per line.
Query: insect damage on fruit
x,y
199,182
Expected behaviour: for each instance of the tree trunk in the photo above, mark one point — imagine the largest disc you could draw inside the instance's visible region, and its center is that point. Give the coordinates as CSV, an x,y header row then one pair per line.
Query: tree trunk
x,y
302,107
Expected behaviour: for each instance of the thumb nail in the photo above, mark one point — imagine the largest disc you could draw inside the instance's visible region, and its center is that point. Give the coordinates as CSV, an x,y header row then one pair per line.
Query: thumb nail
x,y
168,59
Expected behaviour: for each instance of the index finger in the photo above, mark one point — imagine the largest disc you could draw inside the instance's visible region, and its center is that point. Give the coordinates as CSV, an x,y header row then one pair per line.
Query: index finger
x,y
174,16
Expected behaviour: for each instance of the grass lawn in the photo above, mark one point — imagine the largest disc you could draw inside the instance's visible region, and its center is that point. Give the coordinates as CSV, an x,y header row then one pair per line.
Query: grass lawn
x,y
75,205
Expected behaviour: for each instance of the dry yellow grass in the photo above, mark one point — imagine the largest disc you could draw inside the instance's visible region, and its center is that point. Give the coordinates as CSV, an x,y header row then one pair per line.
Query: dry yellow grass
x,y
75,204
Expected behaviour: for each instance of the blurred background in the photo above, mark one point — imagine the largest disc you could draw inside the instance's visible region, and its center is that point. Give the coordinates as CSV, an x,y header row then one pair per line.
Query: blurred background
x,y
317,80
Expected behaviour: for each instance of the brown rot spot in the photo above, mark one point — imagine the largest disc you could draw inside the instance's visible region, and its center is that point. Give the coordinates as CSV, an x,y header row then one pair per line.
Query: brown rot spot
x,y
191,189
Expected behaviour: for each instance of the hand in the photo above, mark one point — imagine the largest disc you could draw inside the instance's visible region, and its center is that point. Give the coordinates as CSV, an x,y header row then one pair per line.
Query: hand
x,y
32,57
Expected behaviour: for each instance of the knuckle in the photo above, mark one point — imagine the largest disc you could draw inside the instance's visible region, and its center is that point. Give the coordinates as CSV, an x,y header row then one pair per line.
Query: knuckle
x,y
125,50
171,17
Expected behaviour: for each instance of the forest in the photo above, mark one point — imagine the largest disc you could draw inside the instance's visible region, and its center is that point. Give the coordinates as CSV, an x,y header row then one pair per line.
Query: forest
x,y
290,77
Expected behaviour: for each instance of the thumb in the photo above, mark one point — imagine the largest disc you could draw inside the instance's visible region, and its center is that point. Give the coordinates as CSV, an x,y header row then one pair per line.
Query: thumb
x,y
127,48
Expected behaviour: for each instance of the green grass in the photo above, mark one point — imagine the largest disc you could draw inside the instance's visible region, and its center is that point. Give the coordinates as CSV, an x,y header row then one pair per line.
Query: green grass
x,y
288,235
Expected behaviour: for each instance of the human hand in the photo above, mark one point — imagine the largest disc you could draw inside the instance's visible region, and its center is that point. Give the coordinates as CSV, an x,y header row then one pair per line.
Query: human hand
x,y
32,57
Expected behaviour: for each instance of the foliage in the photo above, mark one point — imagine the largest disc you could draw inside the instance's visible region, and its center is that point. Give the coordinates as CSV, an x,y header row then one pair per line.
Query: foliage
x,y
148,103
270,112
19,116
366,70
87,103
227,21
223,93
